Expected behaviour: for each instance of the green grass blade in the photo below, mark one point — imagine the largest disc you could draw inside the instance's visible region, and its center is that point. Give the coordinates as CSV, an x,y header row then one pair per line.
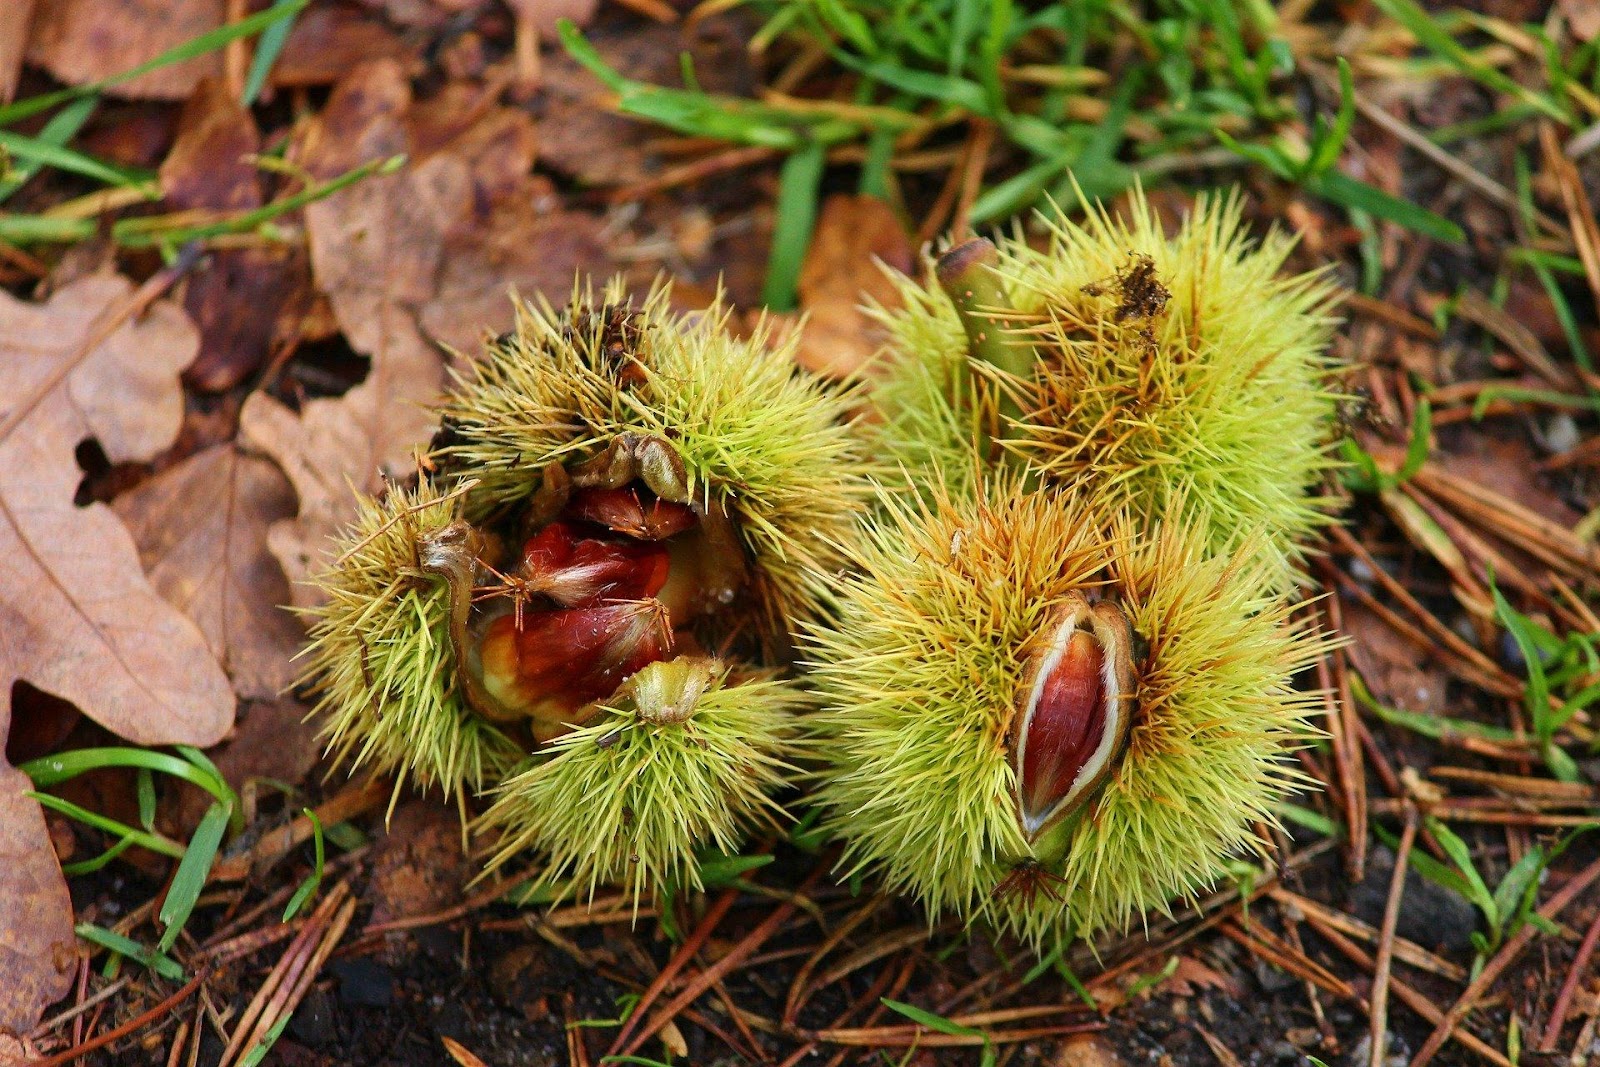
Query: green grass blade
x,y
41,153
62,127
1418,444
1341,189
719,871
154,842
308,888
1433,36
1437,727
258,1052
72,870
799,184
1521,628
1461,856
193,870
144,781
1519,884
1331,142
162,964
53,770
273,38
926,1018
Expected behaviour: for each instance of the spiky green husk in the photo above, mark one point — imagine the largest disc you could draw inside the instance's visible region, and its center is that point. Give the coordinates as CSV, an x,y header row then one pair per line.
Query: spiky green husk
x,y
939,414
1221,398
757,435
381,660
631,802
921,678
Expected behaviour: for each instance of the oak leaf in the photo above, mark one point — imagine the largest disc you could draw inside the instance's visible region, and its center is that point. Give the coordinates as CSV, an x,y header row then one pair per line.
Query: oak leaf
x,y
36,939
856,238
201,527
77,617
81,41
80,620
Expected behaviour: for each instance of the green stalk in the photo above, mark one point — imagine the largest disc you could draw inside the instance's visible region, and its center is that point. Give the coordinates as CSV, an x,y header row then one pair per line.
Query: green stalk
x,y
967,275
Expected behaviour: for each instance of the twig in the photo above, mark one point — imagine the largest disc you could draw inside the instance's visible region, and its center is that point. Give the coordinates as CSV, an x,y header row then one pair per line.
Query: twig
x,y
1407,952
1333,676
78,1009
285,973
1391,917
1468,174
679,960
1286,958
798,989
1558,1011
1580,213
693,171
483,898
902,1036
1291,934
706,978
972,168
126,1028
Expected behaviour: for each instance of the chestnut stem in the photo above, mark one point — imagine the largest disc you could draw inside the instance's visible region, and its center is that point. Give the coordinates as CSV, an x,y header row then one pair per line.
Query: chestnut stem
x,y
967,275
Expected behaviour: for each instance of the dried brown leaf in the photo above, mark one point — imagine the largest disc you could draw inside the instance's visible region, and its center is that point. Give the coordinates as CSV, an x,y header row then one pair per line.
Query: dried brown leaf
x,y
201,528
417,865
80,619
375,249
209,164
519,251
236,298
1393,668
1584,18
81,41
856,237
13,43
330,39
36,938
580,134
